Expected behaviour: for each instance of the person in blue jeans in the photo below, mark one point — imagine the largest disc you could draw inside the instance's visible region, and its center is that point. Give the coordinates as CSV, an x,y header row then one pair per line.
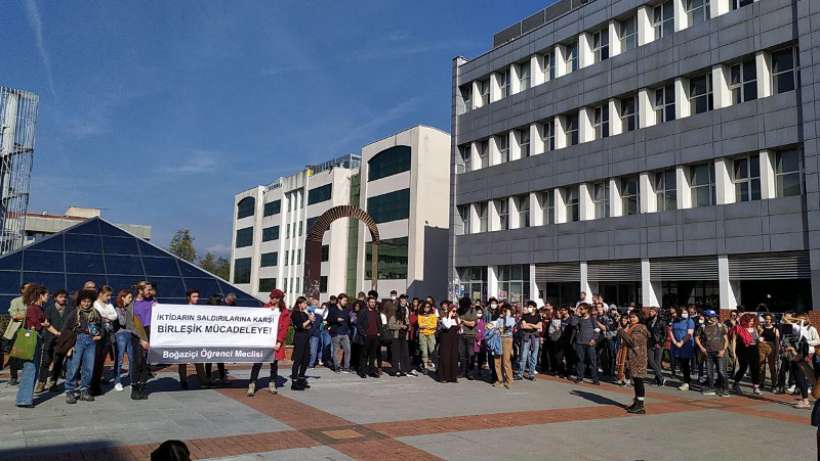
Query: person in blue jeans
x,y
319,336
585,335
35,322
123,338
530,328
86,325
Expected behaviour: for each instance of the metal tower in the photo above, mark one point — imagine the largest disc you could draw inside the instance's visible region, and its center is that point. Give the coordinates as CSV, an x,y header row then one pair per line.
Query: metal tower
x,y
18,117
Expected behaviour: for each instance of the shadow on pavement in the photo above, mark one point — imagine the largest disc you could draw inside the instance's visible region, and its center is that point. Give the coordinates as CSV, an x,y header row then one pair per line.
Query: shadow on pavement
x,y
595,398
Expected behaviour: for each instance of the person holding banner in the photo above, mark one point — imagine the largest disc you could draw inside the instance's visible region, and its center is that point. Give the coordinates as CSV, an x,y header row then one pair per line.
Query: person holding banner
x,y
192,297
302,322
281,317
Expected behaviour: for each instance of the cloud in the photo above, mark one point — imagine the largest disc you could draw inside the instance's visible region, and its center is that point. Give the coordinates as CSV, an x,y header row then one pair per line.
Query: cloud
x,y
199,161
366,130
35,21
219,249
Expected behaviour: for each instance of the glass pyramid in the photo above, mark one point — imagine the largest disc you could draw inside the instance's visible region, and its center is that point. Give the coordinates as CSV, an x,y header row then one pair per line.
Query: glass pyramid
x,y
100,251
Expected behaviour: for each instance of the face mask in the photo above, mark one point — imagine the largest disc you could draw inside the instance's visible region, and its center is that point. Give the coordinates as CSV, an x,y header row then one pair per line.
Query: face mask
x,y
393,298
531,310
684,315
494,305
479,315
700,321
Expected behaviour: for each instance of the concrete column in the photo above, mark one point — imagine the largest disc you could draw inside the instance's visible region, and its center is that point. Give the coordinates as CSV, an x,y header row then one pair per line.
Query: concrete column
x,y
536,139
560,61
585,280
684,192
615,202
763,69
585,55
616,125
646,33
560,202
534,288
768,188
512,207
586,209
493,216
649,292
614,39
648,199
724,186
560,133
536,212
514,145
475,156
495,152
514,76
495,87
474,219
719,7
492,282
586,132
721,95
646,109
681,18
536,69
682,106
477,102
729,292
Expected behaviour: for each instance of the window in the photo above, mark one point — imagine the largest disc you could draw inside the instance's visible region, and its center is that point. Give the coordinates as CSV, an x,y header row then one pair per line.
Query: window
x,y
572,129
319,194
665,103
245,207
483,217
572,57
273,208
464,215
503,209
523,206
473,282
287,231
787,173
483,91
743,81
548,130
269,259
466,159
600,45
288,260
736,4
549,67
244,237
784,64
600,199
503,82
523,69
388,162
267,284
325,253
664,19
629,116
392,259
547,206
702,185
391,206
666,191
484,153
698,11
573,210
700,93
323,283
513,283
503,144
299,226
299,256
630,201
746,176
523,136
628,34
600,121
309,224
242,270
270,233
467,96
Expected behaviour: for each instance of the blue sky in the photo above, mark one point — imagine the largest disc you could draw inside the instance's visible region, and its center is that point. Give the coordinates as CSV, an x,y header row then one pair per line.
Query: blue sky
x,y
158,112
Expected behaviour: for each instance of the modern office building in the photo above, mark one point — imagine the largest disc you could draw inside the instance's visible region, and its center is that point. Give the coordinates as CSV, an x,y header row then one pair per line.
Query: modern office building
x,y
402,181
656,152
41,225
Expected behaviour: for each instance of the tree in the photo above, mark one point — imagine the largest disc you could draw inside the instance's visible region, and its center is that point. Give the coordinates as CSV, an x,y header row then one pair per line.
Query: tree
x,y
182,245
218,266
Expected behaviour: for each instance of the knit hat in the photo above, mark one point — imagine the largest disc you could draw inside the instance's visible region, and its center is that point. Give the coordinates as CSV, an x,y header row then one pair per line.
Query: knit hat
x,y
277,293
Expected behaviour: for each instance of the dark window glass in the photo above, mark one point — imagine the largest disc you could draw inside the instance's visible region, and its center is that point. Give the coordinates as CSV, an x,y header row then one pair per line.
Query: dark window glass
x,y
83,243
273,208
5,302
392,259
244,237
388,162
168,287
150,250
111,230
391,206
160,266
323,283
245,207
319,194
124,282
120,245
270,233
84,263
242,271
10,283
51,281
12,262
90,227
125,265
47,261
54,242
783,67
700,93
270,259
325,253
188,270
267,284
206,286
310,222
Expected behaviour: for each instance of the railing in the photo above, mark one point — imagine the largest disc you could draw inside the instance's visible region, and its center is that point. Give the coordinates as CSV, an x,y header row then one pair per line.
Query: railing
x,y
547,15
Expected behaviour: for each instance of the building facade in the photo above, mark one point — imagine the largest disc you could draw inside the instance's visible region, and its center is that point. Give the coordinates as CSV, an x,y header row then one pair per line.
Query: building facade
x,y
41,225
657,152
402,181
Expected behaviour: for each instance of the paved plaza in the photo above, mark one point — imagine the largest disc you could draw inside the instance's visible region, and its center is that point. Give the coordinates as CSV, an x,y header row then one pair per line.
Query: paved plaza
x,y
343,417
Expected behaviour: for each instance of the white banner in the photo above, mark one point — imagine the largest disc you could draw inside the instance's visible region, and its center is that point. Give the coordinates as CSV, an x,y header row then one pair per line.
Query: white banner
x,y
207,334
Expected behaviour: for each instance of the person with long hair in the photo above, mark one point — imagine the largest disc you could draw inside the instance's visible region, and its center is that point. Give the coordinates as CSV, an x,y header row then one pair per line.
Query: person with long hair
x,y
447,369
503,325
122,338
681,334
108,315
302,322
634,341
398,326
281,318
81,334
35,297
748,356
805,342
428,321
769,349
56,313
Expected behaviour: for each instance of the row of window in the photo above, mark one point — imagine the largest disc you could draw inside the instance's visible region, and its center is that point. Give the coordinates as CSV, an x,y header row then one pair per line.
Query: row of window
x,y
266,285
587,49
247,206
271,259
391,206
389,162
621,114
622,196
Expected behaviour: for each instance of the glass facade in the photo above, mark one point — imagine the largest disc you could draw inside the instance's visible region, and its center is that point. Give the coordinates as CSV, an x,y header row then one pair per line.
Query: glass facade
x,y
389,162
245,207
392,259
273,208
270,233
269,259
244,237
320,194
513,283
472,283
391,206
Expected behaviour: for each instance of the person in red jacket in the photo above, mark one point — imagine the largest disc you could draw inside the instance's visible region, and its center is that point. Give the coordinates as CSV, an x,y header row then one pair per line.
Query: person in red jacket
x,y
282,318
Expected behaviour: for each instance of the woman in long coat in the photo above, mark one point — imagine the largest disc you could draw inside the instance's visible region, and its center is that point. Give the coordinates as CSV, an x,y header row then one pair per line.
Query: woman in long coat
x,y
634,340
282,314
447,368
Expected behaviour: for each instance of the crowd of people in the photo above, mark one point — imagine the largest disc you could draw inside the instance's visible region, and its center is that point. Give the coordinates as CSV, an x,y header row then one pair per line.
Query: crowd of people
x,y
74,334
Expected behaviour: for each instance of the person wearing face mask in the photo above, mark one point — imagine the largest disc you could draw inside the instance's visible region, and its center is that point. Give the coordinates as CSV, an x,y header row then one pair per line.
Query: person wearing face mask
x,y
769,348
712,340
634,339
682,348
503,327
447,369
530,341
748,356
467,317
657,337
479,346
427,335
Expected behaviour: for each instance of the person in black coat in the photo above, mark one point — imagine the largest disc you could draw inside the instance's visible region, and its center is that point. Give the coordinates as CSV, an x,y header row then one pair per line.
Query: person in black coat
x,y
368,328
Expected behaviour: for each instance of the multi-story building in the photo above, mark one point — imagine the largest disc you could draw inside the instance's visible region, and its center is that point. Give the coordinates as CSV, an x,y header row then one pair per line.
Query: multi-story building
x,y
402,181
41,225
656,152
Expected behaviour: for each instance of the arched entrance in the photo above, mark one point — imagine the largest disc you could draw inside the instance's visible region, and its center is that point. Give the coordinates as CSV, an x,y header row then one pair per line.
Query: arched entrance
x,y
313,244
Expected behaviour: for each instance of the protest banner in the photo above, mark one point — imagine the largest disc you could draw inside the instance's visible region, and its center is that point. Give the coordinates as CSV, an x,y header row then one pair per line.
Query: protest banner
x,y
209,334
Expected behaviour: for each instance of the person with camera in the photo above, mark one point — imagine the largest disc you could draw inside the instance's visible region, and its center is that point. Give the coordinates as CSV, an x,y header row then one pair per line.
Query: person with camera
x,y
799,351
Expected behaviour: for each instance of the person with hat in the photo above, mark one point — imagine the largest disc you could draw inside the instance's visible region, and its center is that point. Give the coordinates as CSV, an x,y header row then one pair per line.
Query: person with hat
x,y
713,340
281,318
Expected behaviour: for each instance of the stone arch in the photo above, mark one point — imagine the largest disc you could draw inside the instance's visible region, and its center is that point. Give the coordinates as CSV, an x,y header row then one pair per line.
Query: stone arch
x,y
313,244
